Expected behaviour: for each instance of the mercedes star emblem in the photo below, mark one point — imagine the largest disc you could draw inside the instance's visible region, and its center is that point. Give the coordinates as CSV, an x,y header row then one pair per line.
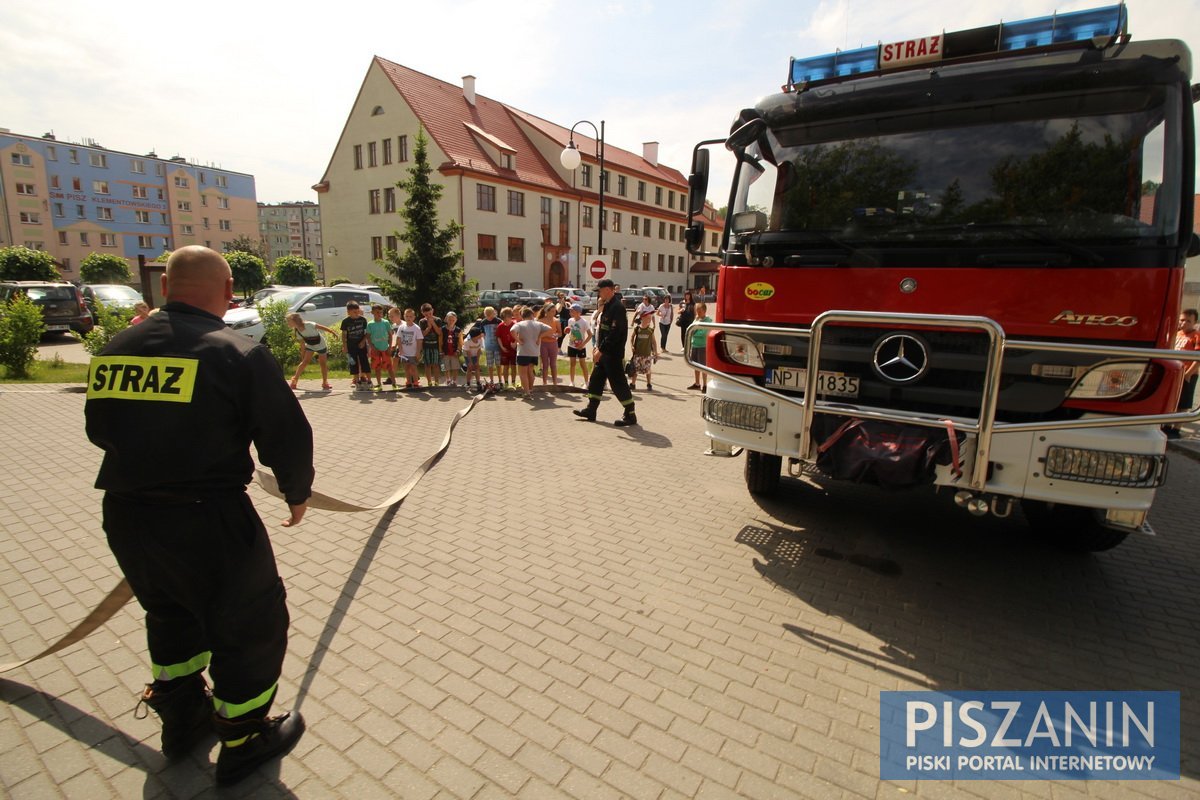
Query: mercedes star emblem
x,y
900,358
908,285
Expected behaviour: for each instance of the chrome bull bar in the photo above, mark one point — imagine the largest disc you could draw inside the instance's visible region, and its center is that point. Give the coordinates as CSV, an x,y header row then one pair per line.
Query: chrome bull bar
x,y
985,425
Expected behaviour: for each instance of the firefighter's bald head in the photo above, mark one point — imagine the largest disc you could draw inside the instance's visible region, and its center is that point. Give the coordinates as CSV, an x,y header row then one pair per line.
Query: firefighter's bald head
x,y
199,277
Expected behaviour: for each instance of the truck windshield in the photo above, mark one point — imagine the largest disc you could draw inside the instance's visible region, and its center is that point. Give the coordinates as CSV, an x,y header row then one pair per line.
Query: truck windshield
x,y
1097,170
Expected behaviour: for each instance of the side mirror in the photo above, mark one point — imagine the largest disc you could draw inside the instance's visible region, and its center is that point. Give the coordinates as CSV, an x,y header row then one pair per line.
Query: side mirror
x,y
698,181
746,135
693,238
308,307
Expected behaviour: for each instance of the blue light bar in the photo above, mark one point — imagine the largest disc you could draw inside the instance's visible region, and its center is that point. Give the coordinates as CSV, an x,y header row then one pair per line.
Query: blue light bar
x,y
1073,27
835,65
1076,26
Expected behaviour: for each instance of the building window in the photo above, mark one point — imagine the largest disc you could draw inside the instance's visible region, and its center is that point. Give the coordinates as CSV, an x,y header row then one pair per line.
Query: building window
x,y
564,211
162,217
22,160
104,212
670,199
54,184
204,223
392,243
681,228
141,216
387,151
77,184
83,238
402,148
633,259
80,212
51,153
202,178
670,263
645,262
642,191
716,239
137,165
658,195
545,211
162,195
186,230
661,261
373,201
633,224
73,155
222,181
204,200
226,225
672,232
645,226
507,161
587,216
516,249
108,240
183,205
371,162
358,156
26,188
604,182
182,182
62,237
31,218
145,242
516,203
161,169
223,202
622,189
616,222
98,160
32,245
139,191
485,199
616,259
487,247
586,253
59,211
389,200
585,175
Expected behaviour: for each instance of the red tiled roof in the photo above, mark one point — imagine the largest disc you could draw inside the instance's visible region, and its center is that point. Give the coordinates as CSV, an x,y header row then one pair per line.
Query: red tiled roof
x,y
446,115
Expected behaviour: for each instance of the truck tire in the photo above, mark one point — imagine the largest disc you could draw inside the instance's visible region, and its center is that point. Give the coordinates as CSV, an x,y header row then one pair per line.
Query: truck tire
x,y
762,473
1071,527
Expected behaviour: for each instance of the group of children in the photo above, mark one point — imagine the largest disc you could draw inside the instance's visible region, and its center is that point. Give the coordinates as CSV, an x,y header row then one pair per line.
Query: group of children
x,y
510,342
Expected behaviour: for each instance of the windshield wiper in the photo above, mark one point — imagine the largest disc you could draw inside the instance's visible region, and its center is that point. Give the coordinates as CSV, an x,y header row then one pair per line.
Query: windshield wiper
x,y
769,243
1029,233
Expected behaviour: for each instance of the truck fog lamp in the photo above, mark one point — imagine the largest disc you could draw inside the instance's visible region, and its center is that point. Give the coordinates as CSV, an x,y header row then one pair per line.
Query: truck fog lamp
x,y
1104,467
741,350
742,416
1110,381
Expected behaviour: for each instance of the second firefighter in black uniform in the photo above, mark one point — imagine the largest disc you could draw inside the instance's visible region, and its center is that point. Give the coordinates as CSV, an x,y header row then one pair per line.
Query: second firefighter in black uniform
x,y
609,358
175,403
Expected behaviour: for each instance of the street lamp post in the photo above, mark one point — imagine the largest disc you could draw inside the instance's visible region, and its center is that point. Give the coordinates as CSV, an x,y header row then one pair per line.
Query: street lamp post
x,y
571,159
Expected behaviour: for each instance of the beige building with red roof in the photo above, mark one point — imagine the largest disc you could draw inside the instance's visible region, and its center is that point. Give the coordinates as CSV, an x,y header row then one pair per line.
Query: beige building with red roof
x,y
527,221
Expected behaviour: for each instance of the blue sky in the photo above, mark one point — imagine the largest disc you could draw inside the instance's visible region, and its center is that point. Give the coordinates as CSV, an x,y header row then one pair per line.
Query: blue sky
x,y
265,88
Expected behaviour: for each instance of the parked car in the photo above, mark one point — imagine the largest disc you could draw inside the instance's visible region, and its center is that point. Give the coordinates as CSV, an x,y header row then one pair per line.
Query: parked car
x,y
62,304
533,297
112,295
582,296
632,295
263,294
366,287
498,299
324,305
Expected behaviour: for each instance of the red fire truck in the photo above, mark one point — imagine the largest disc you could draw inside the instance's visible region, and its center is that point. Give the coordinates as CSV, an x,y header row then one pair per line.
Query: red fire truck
x,y
969,249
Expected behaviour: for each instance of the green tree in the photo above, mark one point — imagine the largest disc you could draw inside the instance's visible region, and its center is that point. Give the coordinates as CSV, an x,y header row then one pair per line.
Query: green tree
x,y
21,327
337,280
105,268
294,271
429,270
244,244
249,272
24,264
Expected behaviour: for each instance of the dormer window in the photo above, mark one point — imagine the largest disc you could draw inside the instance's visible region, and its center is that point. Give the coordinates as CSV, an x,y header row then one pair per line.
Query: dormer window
x,y
508,161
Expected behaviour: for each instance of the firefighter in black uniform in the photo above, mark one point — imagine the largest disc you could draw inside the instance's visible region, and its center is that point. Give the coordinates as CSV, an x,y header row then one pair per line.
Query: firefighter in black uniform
x,y
175,402
609,355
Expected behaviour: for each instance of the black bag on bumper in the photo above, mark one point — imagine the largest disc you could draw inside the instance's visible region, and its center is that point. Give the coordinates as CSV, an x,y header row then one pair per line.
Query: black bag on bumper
x,y
888,454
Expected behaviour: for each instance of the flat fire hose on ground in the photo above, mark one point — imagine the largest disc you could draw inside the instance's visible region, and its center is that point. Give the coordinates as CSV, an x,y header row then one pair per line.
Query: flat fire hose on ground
x,y
121,593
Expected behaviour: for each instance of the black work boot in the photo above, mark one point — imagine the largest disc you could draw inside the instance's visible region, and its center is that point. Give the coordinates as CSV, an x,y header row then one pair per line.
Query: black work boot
x,y
630,418
247,744
588,413
185,707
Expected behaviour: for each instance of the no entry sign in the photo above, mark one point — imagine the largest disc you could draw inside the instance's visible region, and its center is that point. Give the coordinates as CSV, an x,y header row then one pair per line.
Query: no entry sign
x,y
598,267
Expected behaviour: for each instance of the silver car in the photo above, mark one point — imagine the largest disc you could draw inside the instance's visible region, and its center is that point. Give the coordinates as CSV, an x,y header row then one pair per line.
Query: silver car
x,y
324,305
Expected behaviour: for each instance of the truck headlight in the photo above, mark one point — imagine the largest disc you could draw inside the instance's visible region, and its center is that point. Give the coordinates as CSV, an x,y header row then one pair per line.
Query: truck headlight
x,y
741,350
1110,381
246,323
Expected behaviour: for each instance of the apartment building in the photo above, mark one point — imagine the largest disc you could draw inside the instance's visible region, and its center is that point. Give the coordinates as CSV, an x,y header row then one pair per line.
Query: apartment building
x,y
528,222
71,199
292,229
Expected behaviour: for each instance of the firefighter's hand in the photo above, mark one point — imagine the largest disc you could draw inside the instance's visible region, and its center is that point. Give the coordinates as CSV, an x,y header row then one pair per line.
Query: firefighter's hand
x,y
297,515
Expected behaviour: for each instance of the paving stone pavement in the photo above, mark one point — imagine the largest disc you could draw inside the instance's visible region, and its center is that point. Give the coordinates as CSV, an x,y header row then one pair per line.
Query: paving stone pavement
x,y
563,609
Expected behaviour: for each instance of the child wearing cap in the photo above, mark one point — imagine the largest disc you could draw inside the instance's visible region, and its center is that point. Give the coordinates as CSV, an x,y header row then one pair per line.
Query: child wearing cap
x,y
471,348
578,334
